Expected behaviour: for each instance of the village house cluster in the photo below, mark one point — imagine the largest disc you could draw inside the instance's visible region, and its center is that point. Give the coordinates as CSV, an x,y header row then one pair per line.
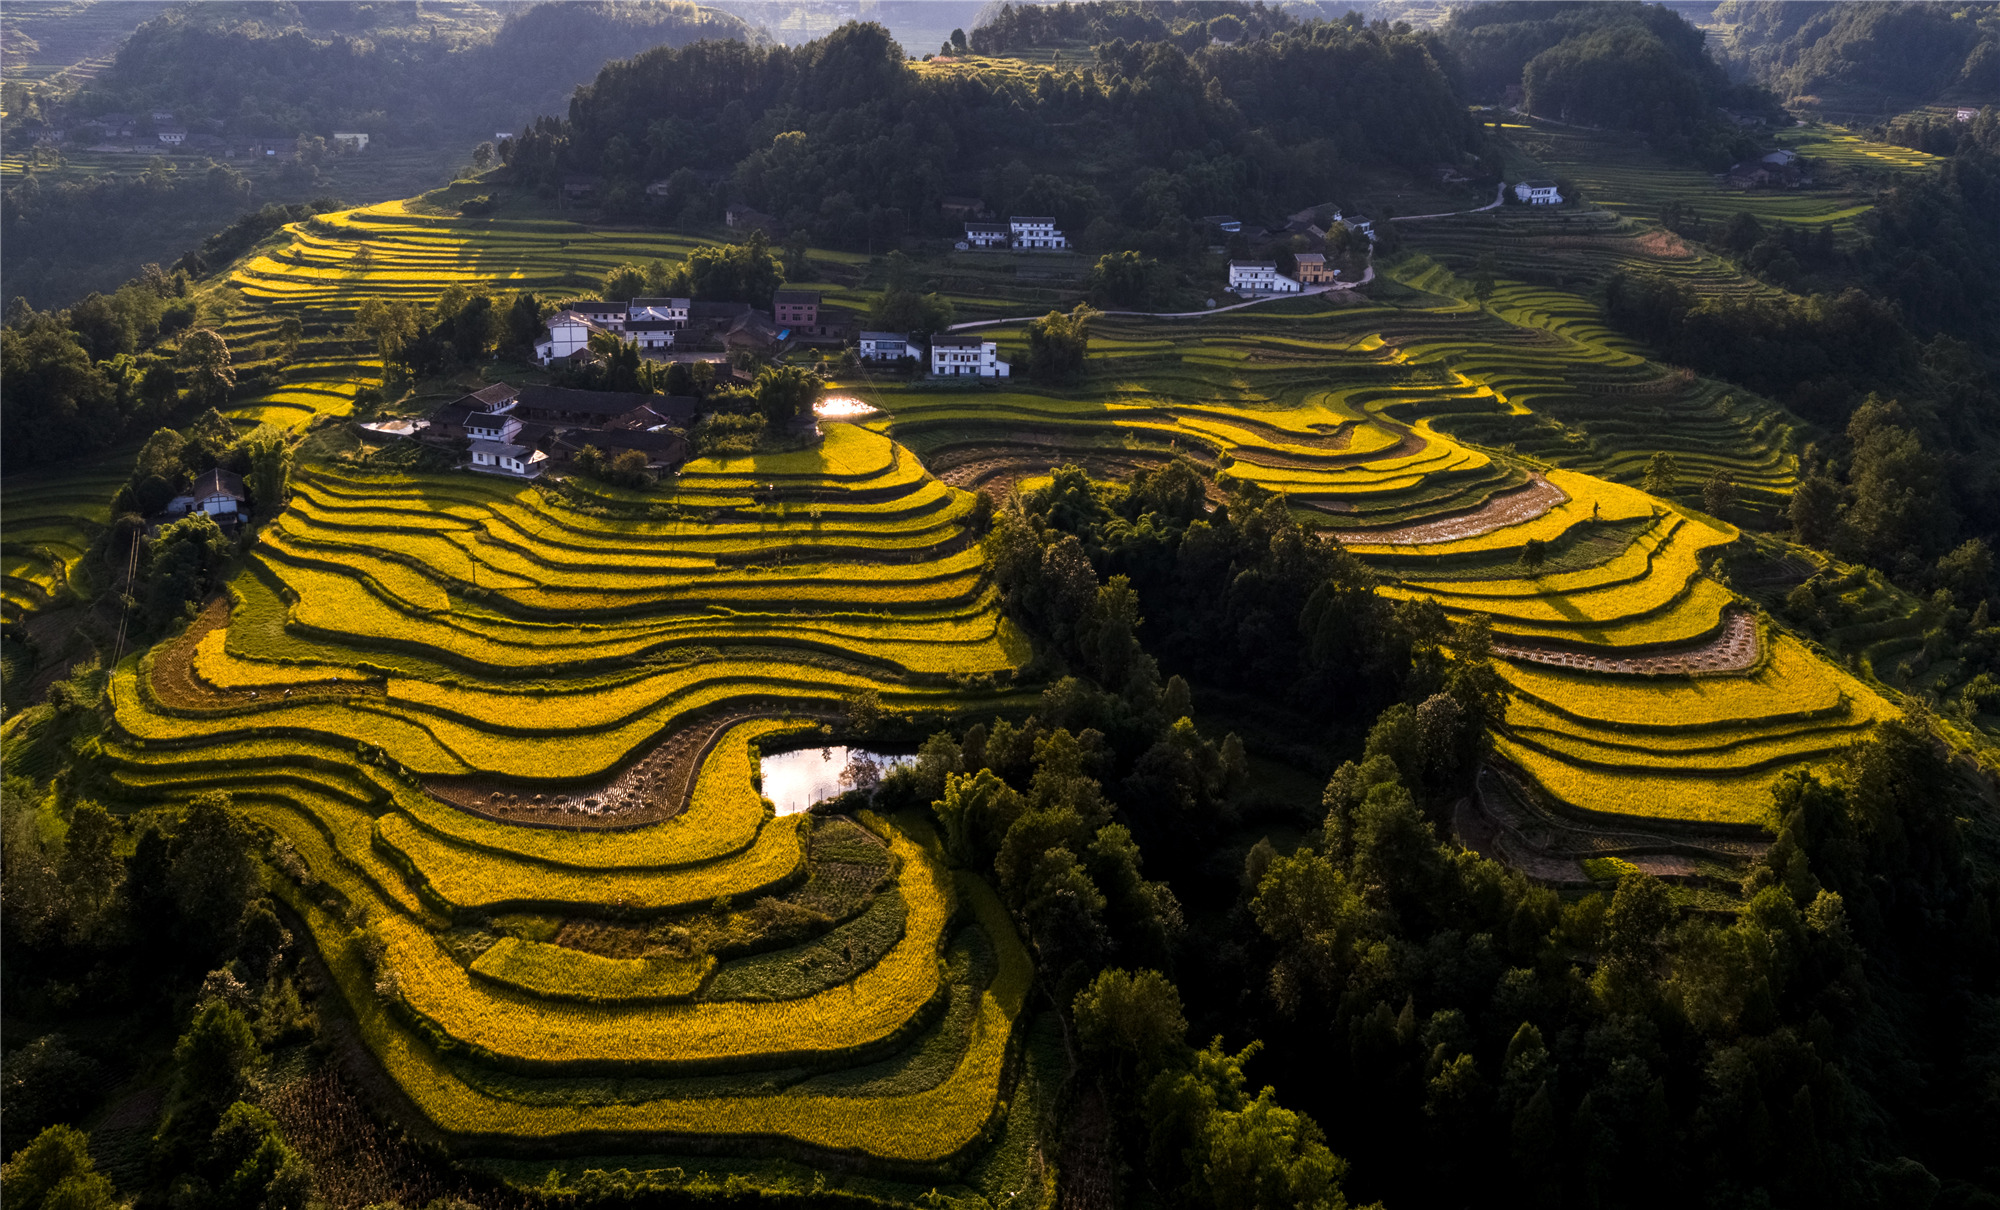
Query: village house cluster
x,y
664,327
1282,270
524,432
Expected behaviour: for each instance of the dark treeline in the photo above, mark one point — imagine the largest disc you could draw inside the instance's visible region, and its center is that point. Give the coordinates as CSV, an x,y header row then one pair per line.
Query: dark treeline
x,y
1188,24
1625,66
840,138
1829,1045
160,921
1243,597
295,73
114,366
63,231
311,68
1867,57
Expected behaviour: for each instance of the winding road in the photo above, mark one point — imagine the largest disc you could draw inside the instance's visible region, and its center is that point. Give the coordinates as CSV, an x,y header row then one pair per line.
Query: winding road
x,y
1499,197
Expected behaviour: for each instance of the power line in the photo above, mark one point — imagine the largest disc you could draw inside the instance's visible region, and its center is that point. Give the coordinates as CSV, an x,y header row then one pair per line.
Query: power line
x,y
125,614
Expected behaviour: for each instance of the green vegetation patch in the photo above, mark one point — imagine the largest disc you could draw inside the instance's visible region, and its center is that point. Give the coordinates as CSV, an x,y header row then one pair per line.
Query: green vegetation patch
x,y
814,967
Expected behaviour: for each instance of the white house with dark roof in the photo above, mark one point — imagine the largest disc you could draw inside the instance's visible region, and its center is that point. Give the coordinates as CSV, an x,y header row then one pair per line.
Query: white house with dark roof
x,y
505,458
219,493
962,356
565,334
492,426
667,310
607,315
651,323
884,346
1259,277
1037,234
986,235
1538,193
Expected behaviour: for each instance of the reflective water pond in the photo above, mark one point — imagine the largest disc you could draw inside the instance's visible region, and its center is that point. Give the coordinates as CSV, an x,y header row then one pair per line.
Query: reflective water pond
x,y
842,407
794,781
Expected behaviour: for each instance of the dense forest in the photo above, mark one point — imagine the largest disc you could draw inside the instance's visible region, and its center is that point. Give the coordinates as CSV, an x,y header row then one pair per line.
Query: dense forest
x,y
1865,58
842,140
301,68
1625,66
1189,24
427,85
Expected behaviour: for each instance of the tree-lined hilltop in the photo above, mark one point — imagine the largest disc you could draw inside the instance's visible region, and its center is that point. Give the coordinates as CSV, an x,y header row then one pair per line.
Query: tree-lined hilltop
x,y
846,140
408,74
210,110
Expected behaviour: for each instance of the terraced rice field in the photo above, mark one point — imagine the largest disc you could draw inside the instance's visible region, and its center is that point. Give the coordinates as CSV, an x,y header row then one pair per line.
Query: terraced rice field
x,y
1358,413
1839,148
1611,418
51,521
438,695
1694,749
1641,687
1617,173
414,254
1374,416
494,724
498,1038
504,633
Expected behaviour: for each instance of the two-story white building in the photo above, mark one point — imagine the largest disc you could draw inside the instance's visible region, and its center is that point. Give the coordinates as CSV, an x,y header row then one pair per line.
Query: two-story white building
x,y
1538,193
565,334
492,426
884,346
607,315
1037,234
662,310
960,356
503,458
650,323
985,235
1259,277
